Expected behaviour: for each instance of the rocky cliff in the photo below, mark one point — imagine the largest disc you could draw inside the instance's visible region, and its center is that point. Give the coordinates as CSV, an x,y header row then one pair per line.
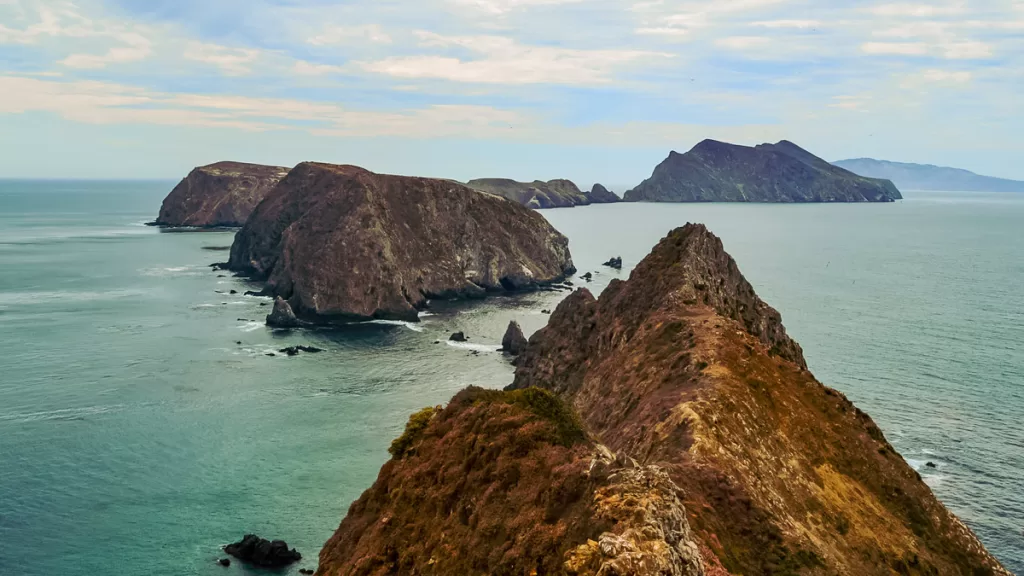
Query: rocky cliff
x,y
219,195
670,428
536,194
928,177
341,243
782,172
601,195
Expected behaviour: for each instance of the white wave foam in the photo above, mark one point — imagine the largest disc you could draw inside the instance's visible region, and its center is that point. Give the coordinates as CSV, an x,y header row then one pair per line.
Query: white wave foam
x,y
251,326
410,325
172,271
492,348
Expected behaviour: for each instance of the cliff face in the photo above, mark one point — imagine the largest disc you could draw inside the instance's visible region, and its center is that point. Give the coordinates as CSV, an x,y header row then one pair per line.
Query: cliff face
x,y
340,243
601,195
783,172
536,194
507,483
684,367
219,195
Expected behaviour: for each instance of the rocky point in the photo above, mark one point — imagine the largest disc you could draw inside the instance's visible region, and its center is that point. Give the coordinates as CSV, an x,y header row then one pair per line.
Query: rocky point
x,y
219,195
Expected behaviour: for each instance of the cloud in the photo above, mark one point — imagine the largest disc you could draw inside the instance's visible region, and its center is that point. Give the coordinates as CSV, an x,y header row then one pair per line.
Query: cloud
x,y
916,10
957,50
895,48
800,24
138,48
502,60
332,35
304,68
505,6
743,42
231,61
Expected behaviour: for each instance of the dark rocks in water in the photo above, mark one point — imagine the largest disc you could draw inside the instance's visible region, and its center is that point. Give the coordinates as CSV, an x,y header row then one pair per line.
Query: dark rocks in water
x,y
615,263
309,349
253,293
932,465
568,283
294,350
545,311
262,552
219,195
263,303
233,292
514,341
306,571
217,248
224,562
536,194
458,337
222,276
437,341
588,277
282,316
270,354
601,195
782,172
239,342
343,244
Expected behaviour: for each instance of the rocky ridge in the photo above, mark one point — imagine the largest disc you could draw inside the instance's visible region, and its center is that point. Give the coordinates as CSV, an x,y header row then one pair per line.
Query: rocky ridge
x,y
218,195
341,243
782,172
537,194
601,195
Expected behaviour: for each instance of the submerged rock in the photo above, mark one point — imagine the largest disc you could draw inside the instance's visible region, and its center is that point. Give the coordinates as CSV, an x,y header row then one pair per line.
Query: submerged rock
x,y
615,263
262,552
341,244
282,316
514,341
224,562
219,195
458,337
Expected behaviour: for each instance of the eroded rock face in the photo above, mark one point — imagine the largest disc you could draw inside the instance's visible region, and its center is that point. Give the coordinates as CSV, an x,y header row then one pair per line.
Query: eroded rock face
x,y
683,367
219,195
601,195
514,342
536,194
508,483
341,243
282,315
782,172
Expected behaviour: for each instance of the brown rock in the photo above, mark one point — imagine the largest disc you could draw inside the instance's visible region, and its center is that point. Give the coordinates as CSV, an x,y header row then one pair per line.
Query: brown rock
x,y
683,366
219,195
282,316
341,243
536,194
514,342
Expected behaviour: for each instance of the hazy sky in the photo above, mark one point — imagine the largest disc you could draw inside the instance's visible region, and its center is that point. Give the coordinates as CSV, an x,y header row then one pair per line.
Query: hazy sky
x,y
593,90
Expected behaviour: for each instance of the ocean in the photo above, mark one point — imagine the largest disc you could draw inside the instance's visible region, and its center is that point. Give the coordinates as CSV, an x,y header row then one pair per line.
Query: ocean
x,y
143,424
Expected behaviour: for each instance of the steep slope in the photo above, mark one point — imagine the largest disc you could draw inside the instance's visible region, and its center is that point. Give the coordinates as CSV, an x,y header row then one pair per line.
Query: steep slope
x,y
927,177
219,195
601,195
682,366
783,172
341,243
507,483
536,194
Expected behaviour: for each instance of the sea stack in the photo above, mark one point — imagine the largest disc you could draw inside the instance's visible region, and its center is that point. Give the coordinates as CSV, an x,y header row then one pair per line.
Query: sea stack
x,y
219,195
536,194
341,243
669,428
601,195
514,342
782,172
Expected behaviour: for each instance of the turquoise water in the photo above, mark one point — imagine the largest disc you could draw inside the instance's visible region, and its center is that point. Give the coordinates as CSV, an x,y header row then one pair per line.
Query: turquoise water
x,y
138,435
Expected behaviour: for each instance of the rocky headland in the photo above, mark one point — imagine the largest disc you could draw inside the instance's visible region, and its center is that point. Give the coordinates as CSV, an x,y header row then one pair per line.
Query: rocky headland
x,y
601,195
782,172
219,195
340,243
539,195
669,428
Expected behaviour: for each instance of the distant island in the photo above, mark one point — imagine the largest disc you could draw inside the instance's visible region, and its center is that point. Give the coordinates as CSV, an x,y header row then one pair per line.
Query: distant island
x,y
538,195
218,195
782,172
928,177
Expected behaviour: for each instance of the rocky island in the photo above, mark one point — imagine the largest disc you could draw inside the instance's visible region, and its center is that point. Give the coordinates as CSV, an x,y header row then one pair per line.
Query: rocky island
x,y
601,195
669,428
539,195
782,172
219,195
341,243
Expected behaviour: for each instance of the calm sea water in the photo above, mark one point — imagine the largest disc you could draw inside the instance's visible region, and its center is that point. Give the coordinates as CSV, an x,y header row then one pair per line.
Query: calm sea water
x,y
142,424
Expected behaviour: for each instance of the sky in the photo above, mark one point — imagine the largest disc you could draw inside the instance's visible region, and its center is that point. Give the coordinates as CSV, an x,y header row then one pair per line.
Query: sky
x,y
591,90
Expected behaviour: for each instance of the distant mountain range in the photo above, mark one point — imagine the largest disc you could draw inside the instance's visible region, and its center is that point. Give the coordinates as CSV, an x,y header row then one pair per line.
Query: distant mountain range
x,y
927,177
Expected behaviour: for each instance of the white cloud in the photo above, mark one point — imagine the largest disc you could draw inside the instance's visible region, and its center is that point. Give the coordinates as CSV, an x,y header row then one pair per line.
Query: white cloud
x,y
743,42
504,61
331,35
947,76
231,61
957,50
305,68
895,48
138,48
504,6
849,102
917,10
800,24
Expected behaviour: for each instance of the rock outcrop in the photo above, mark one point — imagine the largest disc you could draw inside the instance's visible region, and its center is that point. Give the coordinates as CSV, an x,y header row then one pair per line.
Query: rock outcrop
x,y
341,243
262,552
601,195
282,316
683,366
782,172
508,483
536,194
219,195
514,342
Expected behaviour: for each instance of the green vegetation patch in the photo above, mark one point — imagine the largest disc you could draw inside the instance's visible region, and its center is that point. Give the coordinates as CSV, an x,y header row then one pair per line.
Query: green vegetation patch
x,y
541,403
418,422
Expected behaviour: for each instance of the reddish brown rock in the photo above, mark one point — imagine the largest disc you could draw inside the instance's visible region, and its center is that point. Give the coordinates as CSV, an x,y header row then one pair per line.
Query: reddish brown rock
x,y
219,195
341,243
514,341
684,367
